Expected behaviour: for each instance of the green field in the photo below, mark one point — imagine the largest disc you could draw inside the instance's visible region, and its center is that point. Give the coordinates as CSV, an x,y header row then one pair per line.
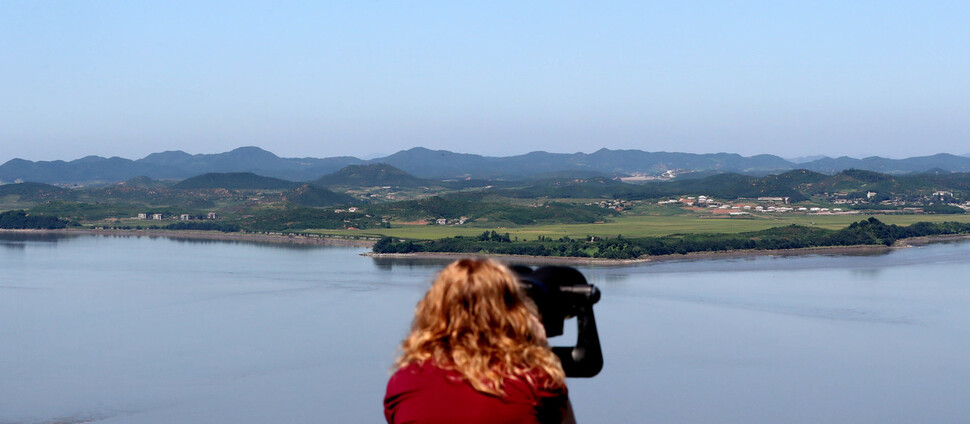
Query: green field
x,y
642,226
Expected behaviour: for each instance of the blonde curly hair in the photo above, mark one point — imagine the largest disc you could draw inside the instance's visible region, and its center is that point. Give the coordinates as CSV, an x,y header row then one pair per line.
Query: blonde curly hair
x,y
476,320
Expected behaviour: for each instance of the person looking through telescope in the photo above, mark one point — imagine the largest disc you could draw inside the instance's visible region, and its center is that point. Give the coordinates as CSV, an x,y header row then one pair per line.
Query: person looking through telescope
x,y
477,353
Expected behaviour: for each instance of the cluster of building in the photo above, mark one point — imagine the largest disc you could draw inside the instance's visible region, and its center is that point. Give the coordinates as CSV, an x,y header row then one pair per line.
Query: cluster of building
x,y
764,204
618,205
445,221
162,217
744,209
665,176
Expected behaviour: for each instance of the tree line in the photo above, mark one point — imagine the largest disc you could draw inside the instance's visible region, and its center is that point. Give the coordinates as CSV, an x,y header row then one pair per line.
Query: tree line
x,y
19,220
866,232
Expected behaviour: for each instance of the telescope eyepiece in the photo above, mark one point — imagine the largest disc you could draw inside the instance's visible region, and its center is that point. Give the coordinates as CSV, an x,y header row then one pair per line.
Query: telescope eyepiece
x,y
587,292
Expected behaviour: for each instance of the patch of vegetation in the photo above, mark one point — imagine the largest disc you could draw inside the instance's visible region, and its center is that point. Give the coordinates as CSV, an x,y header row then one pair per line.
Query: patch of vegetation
x,y
867,232
373,175
145,182
36,192
943,209
301,218
79,211
20,220
235,181
479,206
309,195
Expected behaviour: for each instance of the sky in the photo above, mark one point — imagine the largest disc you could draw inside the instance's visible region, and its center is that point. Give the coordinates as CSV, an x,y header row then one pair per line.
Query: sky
x,y
369,78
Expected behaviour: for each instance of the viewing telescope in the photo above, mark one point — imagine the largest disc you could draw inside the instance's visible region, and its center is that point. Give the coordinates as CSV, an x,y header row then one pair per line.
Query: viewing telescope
x,y
561,292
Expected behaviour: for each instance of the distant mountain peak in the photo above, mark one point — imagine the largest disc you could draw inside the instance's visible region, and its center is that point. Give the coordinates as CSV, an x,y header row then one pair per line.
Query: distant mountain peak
x,y
234,180
251,152
166,157
250,149
374,174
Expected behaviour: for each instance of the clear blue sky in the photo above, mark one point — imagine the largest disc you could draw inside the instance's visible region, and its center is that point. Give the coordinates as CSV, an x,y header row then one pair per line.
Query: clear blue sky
x,y
359,78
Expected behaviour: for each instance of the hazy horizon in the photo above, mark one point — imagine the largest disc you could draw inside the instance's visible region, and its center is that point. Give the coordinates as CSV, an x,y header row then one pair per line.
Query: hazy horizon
x,y
799,159
367,79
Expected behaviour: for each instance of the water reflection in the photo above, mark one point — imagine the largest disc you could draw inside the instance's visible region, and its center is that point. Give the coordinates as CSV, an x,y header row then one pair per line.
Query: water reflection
x,y
867,273
384,263
12,238
18,239
13,245
281,244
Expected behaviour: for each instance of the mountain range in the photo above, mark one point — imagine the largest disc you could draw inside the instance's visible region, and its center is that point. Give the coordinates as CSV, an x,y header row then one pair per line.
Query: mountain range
x,y
442,164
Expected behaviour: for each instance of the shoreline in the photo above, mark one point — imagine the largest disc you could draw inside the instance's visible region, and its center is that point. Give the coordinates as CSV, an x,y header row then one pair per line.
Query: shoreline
x,y
863,249
724,254
209,235
450,256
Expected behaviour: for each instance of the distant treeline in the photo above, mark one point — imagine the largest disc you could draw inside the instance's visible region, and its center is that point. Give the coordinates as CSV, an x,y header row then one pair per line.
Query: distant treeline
x,y
19,220
867,232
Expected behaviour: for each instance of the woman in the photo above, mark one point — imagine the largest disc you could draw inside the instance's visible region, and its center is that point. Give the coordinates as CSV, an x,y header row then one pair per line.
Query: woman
x,y
476,354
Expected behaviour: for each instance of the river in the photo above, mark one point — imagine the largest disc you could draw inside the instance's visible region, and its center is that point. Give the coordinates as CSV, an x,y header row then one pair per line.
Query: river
x,y
126,329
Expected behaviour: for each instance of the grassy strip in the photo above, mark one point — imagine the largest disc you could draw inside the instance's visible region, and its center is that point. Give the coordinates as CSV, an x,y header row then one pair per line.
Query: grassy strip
x,y
866,232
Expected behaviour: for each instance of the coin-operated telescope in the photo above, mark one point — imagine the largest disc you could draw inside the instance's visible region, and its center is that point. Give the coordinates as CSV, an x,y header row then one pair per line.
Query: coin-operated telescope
x,y
559,293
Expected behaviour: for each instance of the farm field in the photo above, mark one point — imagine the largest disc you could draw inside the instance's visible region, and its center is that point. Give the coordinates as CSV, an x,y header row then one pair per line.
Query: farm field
x,y
642,226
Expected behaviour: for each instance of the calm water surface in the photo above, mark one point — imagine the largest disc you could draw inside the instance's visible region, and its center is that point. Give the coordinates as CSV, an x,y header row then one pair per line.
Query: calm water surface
x,y
153,330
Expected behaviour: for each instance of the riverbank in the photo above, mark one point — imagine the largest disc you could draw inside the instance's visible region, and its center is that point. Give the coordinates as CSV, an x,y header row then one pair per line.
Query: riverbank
x,y
538,260
559,260
209,235
858,250
922,241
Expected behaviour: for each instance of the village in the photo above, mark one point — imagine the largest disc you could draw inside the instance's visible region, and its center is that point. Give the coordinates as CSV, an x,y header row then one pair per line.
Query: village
x,y
149,216
748,206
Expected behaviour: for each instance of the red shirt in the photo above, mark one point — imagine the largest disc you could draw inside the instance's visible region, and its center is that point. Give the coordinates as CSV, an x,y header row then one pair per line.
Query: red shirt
x,y
426,394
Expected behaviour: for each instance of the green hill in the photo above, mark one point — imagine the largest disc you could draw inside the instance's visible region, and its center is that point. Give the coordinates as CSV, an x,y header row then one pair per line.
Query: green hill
x,y
725,186
236,181
21,220
308,195
375,175
858,182
145,182
32,192
487,208
797,177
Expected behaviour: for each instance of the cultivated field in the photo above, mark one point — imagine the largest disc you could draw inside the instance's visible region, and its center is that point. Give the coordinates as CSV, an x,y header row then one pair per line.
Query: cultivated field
x,y
642,226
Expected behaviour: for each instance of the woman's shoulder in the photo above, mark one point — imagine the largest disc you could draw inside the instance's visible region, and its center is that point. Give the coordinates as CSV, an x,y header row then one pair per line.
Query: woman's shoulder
x,y
423,369
427,376
540,385
420,375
